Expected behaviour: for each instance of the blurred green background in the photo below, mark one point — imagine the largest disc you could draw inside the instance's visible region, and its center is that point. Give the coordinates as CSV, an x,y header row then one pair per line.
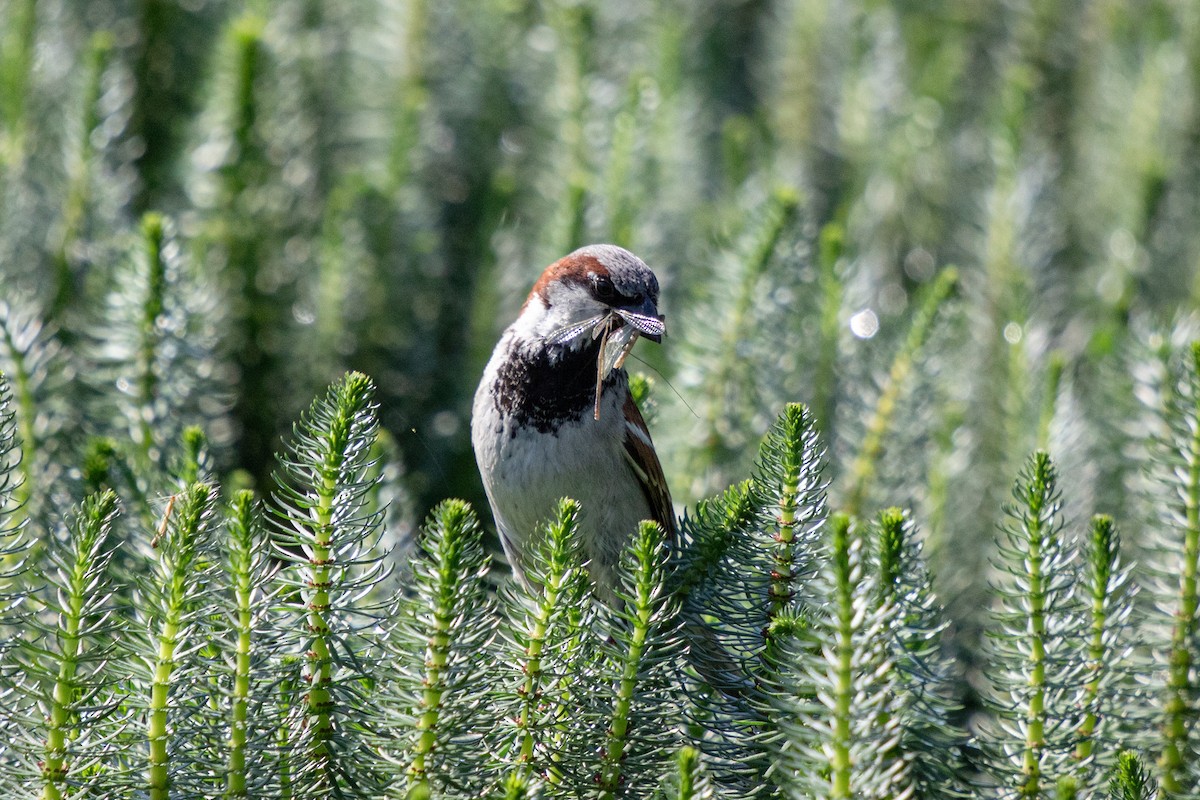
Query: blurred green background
x,y
375,185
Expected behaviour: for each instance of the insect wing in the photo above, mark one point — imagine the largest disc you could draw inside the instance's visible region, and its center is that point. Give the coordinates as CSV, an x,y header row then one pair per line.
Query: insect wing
x,y
616,348
651,326
569,332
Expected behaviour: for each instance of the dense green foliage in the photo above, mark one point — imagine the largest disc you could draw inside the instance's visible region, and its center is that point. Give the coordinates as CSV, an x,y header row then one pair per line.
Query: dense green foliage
x,y
958,233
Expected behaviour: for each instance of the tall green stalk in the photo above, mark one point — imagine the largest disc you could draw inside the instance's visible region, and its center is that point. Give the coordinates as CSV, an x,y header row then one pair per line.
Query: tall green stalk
x,y
844,651
1035,708
1038,659
780,212
325,538
560,588
574,24
412,96
825,383
83,613
455,524
82,167
242,547
151,306
862,469
179,547
440,646
1180,705
795,422
238,228
643,613
1101,571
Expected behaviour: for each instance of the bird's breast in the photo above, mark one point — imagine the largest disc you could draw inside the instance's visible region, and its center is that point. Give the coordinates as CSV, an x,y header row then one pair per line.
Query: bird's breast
x,y
544,388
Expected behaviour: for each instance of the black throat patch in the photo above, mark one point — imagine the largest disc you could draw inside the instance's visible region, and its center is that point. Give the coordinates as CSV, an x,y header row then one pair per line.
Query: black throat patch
x,y
544,388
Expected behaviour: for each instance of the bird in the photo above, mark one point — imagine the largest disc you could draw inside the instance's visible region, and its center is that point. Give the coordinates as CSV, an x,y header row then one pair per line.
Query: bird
x,y
553,415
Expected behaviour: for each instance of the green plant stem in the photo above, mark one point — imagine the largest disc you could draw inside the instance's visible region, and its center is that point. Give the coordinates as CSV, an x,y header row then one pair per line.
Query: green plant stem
x,y
16,70
87,538
1103,558
319,674
558,544
156,734
782,576
241,560
453,519
780,212
149,339
1054,373
289,688
413,96
839,755
574,26
862,471
54,769
1178,710
621,208
26,415
825,373
531,690
645,549
178,549
79,191
1035,711
239,231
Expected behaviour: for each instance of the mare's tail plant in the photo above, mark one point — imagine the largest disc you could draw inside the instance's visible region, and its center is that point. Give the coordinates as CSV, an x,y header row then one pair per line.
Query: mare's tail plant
x,y
439,647
744,562
841,704
64,682
157,344
1176,585
927,679
545,635
1113,702
14,545
325,538
1039,669
168,668
244,721
642,657
35,367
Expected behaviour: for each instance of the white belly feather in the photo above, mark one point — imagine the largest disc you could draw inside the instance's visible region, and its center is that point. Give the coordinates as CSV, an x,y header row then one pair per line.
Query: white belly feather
x,y
526,474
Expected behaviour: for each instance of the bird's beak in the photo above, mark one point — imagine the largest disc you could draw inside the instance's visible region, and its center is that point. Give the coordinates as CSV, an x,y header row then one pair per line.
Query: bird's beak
x,y
644,319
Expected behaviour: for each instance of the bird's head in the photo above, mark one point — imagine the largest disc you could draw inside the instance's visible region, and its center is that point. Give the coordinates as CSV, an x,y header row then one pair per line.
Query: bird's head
x,y
596,289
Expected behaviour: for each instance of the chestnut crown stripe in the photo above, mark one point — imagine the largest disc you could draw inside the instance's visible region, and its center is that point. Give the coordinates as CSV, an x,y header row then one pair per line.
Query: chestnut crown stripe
x,y
573,268
579,269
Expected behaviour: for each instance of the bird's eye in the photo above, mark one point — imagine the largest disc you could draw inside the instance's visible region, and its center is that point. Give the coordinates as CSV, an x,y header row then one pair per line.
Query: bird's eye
x,y
604,287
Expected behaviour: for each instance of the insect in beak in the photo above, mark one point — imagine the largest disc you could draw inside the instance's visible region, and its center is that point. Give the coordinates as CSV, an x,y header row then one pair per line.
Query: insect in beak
x,y
617,331
645,319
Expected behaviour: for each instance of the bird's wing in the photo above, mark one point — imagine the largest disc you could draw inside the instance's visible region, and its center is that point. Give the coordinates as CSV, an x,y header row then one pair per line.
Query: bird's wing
x,y
639,453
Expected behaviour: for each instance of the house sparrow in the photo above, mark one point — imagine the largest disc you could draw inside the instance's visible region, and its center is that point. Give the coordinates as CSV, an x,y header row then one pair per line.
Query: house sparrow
x,y
553,416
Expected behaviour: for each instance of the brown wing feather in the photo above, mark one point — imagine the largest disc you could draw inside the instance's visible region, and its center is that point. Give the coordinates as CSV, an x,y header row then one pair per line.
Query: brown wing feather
x,y
639,452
